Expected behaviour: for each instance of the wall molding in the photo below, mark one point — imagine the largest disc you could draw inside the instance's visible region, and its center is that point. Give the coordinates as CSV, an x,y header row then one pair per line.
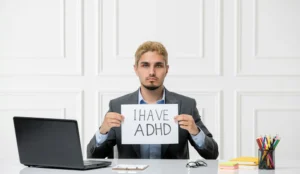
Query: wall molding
x,y
63,58
255,36
99,41
255,120
40,92
238,42
237,110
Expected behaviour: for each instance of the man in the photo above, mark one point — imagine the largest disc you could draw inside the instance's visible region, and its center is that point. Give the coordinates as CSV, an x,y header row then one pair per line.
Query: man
x,y
151,66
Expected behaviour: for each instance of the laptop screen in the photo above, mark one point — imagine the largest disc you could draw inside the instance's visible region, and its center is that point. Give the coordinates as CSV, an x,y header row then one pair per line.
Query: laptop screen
x,y
48,142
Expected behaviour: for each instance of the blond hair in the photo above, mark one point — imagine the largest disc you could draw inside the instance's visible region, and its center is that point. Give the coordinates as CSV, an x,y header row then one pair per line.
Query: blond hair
x,y
151,46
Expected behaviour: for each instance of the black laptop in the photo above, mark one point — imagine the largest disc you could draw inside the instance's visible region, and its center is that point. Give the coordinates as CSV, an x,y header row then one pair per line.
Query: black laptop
x,y
53,143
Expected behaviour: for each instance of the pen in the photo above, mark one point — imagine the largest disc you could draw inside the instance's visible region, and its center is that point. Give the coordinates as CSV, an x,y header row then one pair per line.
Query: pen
x,y
258,140
266,143
276,143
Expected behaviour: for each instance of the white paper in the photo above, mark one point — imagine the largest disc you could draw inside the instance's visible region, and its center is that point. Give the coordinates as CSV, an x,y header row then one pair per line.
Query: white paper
x,y
149,124
130,167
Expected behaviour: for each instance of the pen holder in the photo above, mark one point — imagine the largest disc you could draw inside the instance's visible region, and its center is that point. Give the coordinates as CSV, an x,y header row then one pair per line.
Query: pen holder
x,y
266,159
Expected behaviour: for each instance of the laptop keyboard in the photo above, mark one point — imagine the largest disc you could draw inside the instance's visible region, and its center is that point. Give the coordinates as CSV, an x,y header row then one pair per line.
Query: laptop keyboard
x,y
89,162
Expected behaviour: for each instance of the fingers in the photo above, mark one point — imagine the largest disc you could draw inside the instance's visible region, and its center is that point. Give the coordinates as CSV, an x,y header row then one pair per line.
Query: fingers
x,y
114,125
184,123
187,122
184,127
112,119
113,115
187,125
114,122
183,117
179,118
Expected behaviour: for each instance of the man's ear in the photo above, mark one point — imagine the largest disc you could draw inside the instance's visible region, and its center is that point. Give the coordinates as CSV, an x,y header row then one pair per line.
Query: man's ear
x,y
167,69
135,68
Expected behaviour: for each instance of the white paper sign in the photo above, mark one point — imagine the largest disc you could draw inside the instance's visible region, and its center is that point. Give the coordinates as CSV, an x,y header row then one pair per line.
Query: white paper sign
x,y
149,124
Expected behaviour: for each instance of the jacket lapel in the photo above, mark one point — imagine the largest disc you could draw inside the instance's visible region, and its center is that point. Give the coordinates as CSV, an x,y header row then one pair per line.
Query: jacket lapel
x,y
169,99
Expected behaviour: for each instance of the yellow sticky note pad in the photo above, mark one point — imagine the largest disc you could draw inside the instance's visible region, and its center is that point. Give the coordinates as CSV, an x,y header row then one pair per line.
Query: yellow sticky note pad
x,y
228,163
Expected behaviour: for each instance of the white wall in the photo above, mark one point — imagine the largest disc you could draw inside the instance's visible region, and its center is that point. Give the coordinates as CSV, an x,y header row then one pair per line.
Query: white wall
x,y
238,58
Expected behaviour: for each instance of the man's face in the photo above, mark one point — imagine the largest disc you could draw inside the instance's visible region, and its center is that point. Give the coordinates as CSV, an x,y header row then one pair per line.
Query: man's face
x,y
151,70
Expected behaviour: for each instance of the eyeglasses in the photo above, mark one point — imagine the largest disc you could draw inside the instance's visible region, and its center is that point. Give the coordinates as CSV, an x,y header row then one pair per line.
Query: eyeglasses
x,y
195,164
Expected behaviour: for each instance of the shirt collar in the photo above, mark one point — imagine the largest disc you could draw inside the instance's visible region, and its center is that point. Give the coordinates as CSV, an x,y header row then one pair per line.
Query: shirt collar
x,y
142,101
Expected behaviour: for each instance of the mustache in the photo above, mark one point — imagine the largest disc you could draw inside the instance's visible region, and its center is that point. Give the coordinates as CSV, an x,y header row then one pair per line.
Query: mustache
x,y
152,77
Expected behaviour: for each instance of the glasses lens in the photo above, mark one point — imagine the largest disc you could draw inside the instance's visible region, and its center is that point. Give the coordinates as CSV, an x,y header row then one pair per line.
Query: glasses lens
x,y
196,164
191,164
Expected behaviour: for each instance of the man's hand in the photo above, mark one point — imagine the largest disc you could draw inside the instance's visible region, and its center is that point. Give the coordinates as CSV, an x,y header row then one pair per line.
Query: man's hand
x,y
112,119
187,122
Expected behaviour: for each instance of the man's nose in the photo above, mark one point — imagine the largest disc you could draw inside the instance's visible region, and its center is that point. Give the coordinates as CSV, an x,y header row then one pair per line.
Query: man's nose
x,y
152,71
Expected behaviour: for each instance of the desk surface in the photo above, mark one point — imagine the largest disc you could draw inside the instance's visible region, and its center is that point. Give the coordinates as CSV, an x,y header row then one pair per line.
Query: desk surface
x,y
155,167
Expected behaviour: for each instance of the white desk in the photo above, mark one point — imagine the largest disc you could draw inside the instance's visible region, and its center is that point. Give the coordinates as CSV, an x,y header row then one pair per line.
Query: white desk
x,y
156,167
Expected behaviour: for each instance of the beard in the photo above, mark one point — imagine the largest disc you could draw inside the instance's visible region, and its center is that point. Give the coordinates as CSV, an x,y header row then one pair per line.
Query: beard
x,y
151,88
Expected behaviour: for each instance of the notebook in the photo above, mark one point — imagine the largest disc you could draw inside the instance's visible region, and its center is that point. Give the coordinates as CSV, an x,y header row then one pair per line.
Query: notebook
x,y
246,160
228,165
54,143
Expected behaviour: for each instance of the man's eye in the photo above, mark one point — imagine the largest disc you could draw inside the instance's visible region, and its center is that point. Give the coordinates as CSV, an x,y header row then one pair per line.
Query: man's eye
x,y
145,65
159,66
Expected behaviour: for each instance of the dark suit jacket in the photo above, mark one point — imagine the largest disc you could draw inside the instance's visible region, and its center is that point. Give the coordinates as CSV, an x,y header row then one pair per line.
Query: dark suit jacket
x,y
186,105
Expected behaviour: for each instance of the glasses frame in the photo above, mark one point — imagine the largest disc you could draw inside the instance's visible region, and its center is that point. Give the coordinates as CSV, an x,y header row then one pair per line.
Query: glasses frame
x,y
195,164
